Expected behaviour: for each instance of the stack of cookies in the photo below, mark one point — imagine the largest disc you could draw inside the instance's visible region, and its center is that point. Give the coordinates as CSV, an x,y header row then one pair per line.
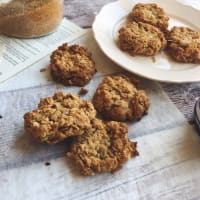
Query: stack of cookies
x,y
99,144
146,33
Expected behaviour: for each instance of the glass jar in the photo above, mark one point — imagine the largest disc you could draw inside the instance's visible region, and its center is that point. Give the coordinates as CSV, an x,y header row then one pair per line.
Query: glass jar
x,y
30,18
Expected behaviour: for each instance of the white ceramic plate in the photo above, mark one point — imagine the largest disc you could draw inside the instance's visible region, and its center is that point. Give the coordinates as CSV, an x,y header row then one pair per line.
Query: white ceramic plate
x,y
112,17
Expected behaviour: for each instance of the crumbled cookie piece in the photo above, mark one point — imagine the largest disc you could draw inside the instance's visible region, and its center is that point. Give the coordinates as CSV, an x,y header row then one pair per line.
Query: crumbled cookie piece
x,y
153,59
59,117
117,98
47,163
141,39
72,65
149,13
184,45
83,91
105,148
1,116
43,69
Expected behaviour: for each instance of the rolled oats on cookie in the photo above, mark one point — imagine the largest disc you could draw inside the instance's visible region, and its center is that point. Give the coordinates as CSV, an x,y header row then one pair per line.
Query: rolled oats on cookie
x,y
117,98
149,13
59,117
72,65
141,39
105,148
184,44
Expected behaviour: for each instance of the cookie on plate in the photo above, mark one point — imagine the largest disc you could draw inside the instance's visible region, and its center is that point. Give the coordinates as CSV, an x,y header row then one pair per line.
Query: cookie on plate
x,y
59,117
117,98
72,65
184,45
141,39
149,13
105,148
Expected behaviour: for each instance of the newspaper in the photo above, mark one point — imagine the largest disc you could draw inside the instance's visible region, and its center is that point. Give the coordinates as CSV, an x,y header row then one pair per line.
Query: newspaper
x,y
18,54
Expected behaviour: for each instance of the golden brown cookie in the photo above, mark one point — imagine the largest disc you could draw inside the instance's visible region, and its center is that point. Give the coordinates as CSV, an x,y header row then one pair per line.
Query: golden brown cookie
x,y
59,117
117,98
184,45
149,13
141,39
105,148
72,65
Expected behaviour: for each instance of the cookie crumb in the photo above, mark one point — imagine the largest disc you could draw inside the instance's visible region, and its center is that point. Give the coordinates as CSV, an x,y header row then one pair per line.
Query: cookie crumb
x,y
153,59
59,86
1,116
43,70
47,163
83,91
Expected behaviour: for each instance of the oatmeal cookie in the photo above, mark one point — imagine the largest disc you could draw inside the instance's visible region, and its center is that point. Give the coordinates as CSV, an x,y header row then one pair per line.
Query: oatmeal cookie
x,y
59,117
141,39
149,13
72,65
117,98
105,148
184,45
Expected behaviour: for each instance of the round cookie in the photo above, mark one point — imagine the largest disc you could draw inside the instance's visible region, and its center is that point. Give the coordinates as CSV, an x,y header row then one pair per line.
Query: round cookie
x,y
105,148
118,99
141,39
184,45
149,13
59,117
72,65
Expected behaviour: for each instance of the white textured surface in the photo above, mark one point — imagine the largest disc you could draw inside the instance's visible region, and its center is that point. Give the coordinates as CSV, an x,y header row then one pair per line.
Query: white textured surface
x,y
1,51
193,3
167,168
